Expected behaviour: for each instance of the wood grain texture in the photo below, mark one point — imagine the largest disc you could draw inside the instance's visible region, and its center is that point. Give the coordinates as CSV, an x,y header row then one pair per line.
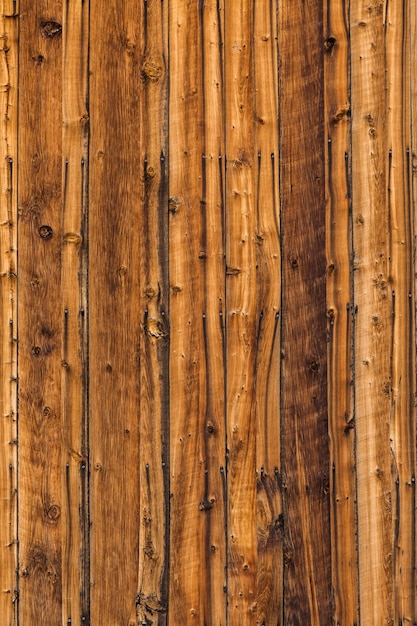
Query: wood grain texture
x,y
74,312
340,314
154,303
375,302
39,318
8,312
197,550
403,384
115,208
268,302
304,431
242,326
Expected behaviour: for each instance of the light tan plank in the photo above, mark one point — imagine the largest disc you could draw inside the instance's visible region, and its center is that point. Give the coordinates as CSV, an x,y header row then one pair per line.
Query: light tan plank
x,y
375,304
8,313
339,314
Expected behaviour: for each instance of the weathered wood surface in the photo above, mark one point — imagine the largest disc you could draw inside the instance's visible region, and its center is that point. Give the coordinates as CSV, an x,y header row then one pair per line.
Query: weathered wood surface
x,y
208,366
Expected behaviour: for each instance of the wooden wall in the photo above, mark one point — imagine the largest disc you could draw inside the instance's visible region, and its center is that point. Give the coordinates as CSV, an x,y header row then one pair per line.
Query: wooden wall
x,y
208,312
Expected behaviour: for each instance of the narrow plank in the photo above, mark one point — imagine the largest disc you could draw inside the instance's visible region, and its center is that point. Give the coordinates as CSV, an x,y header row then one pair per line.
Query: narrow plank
x,y
197,441
402,418
304,431
75,549
339,314
242,337
154,353
114,323
268,295
39,318
374,299
8,313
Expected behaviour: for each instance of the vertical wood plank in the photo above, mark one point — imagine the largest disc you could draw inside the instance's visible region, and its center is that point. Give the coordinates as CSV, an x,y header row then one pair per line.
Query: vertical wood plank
x,y
403,386
154,353
115,215
197,437
304,432
8,313
74,472
339,315
242,338
375,302
268,294
40,319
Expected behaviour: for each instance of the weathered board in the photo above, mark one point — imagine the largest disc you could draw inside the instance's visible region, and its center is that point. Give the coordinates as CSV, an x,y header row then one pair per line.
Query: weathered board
x,y
208,312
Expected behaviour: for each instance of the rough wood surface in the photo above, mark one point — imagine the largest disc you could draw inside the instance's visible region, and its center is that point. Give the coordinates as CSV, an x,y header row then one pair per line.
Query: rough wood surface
x,y
208,365
304,436
8,312
340,314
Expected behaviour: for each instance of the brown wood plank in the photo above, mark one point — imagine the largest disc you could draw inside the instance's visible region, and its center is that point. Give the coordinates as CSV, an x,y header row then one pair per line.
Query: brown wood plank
x,y
74,473
268,293
154,302
115,213
40,321
242,337
304,432
197,441
403,385
374,300
8,313
339,314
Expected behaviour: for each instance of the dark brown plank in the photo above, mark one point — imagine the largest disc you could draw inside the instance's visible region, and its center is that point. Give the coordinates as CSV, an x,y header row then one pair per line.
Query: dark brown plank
x,y
304,432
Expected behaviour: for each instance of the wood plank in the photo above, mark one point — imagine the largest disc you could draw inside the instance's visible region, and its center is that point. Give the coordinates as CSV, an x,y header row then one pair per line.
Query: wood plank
x,y
115,214
304,432
74,402
197,442
154,341
402,418
268,295
8,313
339,314
374,300
39,318
242,338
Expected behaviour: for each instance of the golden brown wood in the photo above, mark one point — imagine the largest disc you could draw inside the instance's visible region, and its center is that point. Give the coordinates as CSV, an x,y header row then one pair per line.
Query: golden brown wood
x,y
40,319
74,473
304,435
339,315
115,209
241,324
197,544
154,297
375,302
8,317
268,301
402,356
